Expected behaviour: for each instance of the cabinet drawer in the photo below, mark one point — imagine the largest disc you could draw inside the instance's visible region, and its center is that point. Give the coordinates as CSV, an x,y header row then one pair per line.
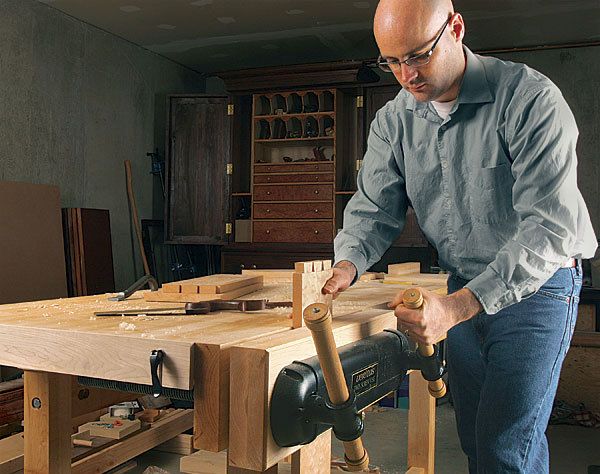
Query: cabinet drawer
x,y
293,231
295,210
293,192
292,167
294,178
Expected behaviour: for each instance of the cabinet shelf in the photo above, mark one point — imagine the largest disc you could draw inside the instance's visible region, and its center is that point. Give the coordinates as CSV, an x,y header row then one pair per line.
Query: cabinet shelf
x,y
299,115
281,140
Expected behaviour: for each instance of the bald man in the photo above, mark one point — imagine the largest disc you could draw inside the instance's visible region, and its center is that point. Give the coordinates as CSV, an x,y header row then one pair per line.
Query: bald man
x,y
484,152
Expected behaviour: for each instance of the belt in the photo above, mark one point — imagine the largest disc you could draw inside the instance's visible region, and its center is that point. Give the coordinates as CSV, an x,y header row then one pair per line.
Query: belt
x,y
572,262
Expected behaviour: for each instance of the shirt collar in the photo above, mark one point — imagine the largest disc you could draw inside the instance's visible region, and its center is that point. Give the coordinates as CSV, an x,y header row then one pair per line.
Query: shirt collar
x,y
474,89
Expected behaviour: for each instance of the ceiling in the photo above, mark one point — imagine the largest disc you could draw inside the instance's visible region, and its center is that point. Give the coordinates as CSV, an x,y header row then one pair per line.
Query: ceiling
x,y
220,35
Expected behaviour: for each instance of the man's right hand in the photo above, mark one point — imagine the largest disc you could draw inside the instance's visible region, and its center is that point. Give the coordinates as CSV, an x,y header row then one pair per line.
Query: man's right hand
x,y
343,275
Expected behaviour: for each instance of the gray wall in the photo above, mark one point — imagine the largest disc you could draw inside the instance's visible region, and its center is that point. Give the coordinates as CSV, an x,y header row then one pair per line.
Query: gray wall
x,y
576,71
75,102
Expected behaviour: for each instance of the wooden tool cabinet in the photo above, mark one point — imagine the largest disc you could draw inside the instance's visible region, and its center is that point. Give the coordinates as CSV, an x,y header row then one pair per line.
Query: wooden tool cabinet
x,y
246,151
216,355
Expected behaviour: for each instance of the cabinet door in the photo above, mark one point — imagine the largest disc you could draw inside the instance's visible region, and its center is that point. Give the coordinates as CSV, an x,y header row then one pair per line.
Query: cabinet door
x,y
198,186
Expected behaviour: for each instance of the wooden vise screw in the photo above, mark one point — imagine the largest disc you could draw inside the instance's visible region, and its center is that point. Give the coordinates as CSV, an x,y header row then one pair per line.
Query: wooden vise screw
x,y
413,299
317,318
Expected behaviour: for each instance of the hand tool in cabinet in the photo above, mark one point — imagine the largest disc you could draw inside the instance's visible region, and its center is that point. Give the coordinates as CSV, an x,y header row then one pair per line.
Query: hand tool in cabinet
x,y
202,307
332,389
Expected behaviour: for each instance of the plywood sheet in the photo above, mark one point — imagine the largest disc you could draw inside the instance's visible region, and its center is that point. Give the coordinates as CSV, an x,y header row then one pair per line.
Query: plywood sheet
x,y
32,262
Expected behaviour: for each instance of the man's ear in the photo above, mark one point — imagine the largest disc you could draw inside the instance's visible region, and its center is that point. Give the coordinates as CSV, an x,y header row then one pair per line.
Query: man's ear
x,y
457,27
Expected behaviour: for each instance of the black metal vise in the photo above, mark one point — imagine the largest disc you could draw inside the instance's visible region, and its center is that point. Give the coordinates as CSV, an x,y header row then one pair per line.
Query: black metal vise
x,y
373,367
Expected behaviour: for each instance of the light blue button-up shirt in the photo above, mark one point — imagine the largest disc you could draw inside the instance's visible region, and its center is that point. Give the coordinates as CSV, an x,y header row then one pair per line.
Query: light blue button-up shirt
x,y
493,186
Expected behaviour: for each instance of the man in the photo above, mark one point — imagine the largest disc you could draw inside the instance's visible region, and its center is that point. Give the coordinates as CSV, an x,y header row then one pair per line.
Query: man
x,y
484,151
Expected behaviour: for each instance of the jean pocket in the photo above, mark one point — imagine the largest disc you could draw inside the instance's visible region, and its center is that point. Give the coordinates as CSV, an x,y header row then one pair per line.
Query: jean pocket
x,y
556,296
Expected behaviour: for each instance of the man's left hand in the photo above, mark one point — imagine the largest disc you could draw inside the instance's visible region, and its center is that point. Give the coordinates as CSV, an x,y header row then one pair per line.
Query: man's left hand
x,y
430,323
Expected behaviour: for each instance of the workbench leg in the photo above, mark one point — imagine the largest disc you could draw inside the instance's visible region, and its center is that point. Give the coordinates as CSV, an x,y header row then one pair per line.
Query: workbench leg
x,y
47,414
239,470
314,458
421,426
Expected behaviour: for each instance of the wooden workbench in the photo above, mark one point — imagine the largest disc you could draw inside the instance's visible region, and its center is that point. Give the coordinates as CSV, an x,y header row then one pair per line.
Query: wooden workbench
x,y
53,340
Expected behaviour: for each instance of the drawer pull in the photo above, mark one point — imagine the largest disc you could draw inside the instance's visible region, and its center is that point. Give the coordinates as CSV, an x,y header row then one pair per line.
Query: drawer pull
x,y
316,210
316,231
253,267
268,193
268,210
316,191
268,178
242,266
268,231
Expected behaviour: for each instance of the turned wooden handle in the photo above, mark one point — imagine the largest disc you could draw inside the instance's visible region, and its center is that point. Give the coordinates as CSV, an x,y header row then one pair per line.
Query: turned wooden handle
x,y
318,320
413,299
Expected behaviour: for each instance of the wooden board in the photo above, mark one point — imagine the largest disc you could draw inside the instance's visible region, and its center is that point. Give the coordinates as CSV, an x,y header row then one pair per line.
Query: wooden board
x,y
272,276
133,446
180,444
111,428
307,282
159,296
406,268
417,279
32,262
11,454
368,276
253,369
586,318
213,284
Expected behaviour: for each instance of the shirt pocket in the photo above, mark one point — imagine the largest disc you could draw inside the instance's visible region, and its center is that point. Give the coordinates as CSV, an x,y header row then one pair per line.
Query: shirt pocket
x,y
490,194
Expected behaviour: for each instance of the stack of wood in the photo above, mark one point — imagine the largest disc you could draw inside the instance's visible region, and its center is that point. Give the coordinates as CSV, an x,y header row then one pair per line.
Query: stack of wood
x,y
88,251
208,288
11,401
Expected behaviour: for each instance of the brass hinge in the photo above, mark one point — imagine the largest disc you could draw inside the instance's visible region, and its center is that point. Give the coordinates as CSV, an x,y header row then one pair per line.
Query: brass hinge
x,y
229,168
360,101
358,164
230,108
228,228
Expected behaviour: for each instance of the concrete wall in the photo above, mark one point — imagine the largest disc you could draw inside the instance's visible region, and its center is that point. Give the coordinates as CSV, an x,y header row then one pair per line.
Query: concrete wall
x,y
576,71
75,102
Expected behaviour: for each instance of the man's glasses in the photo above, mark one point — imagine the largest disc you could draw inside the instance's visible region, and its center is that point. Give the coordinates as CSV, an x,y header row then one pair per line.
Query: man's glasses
x,y
388,65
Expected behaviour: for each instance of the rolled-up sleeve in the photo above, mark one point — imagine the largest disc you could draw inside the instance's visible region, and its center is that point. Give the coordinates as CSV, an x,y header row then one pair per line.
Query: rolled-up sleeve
x,y
541,138
375,215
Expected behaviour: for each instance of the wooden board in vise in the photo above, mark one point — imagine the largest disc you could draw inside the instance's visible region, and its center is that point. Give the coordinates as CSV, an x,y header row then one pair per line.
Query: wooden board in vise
x,y
307,282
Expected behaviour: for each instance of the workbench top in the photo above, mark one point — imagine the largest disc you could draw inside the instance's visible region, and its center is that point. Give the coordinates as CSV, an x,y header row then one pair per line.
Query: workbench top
x,y
63,335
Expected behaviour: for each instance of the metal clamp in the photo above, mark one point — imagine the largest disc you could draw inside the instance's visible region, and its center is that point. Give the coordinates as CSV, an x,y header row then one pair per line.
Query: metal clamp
x,y
156,360
345,419
139,284
432,368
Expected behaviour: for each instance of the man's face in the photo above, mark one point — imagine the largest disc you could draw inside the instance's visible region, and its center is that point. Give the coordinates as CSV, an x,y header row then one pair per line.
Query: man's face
x,y
426,82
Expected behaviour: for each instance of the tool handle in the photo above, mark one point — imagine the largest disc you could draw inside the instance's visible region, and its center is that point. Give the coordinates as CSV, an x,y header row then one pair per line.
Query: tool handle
x,y
318,320
413,299
134,212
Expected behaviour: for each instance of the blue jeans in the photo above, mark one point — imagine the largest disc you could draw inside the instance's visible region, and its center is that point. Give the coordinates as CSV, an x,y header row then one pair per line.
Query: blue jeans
x,y
503,373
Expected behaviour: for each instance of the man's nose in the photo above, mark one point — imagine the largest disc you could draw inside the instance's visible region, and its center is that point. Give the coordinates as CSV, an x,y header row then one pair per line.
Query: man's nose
x,y
407,73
